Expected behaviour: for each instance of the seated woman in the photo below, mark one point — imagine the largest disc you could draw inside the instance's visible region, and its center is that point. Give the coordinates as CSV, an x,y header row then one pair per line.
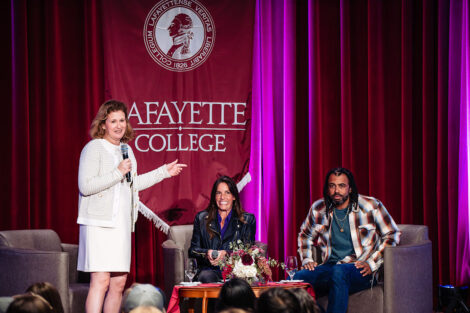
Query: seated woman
x,y
224,221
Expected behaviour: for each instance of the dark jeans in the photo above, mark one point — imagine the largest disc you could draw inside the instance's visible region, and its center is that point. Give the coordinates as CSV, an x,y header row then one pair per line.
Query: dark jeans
x,y
336,280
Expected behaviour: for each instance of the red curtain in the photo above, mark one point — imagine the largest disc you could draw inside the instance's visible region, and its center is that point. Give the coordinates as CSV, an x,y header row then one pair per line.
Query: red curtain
x,y
377,90
380,107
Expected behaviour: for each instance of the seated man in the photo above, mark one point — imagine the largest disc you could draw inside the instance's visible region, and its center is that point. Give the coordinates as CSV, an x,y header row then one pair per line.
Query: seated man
x,y
352,231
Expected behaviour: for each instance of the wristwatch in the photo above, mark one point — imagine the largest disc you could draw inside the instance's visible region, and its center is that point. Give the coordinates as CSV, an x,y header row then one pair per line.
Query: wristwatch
x,y
215,254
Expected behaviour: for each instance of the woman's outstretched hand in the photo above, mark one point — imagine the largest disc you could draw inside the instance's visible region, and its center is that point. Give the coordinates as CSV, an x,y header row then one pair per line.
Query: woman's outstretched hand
x,y
174,168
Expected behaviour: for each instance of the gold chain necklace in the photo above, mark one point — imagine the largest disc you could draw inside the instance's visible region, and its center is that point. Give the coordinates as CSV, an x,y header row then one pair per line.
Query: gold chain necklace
x,y
343,220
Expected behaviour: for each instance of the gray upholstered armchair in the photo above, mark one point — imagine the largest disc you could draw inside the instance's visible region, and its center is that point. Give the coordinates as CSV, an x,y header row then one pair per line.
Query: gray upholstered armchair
x,y
407,278
175,252
31,256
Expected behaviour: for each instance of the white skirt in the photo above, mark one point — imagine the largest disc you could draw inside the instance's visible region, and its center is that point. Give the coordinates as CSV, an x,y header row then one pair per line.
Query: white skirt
x,y
108,249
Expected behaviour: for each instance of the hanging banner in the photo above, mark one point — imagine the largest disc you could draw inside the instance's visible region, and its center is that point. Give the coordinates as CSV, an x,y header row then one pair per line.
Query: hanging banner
x,y
183,67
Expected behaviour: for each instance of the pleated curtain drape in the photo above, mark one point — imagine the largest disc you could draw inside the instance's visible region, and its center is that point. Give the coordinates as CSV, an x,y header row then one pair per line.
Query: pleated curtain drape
x,y
379,87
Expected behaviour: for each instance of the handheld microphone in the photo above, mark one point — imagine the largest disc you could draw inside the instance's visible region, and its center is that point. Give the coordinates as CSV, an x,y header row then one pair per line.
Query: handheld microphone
x,y
125,155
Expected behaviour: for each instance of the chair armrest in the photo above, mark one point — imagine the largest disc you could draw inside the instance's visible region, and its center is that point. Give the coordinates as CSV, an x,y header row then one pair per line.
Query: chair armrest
x,y
20,268
173,263
72,250
408,278
170,244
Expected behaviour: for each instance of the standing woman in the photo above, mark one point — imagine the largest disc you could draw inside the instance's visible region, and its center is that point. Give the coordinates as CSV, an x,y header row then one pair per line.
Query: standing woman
x,y
108,205
224,221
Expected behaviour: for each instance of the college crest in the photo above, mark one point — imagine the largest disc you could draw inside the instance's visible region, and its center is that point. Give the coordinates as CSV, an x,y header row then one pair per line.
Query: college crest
x,y
179,35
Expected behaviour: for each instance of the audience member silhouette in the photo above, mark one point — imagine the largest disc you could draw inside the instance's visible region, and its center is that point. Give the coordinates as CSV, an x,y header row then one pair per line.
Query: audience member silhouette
x,y
30,303
306,302
278,300
145,309
236,293
142,295
48,292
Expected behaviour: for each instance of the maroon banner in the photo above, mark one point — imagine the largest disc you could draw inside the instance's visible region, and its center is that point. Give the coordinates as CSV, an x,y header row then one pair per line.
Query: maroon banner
x,y
184,69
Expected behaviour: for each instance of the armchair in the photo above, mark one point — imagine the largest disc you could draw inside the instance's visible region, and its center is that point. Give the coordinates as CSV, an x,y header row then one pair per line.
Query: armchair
x,y
407,277
37,255
175,252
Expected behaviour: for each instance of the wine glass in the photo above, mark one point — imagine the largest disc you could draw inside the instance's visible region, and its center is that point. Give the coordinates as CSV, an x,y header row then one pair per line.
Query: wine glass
x,y
190,268
291,266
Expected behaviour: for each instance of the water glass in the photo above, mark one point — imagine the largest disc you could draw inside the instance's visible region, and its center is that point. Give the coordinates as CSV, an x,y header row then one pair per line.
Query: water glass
x,y
190,268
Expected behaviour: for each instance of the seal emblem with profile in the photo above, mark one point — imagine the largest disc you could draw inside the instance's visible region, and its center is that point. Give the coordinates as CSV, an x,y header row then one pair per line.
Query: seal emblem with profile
x,y
179,35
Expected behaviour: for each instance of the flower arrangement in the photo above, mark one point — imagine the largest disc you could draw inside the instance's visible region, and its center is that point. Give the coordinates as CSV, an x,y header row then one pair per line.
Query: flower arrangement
x,y
248,262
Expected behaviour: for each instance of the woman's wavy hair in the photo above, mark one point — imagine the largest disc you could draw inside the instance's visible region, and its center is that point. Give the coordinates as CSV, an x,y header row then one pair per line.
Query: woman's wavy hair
x,y
96,129
353,196
48,292
212,208
29,303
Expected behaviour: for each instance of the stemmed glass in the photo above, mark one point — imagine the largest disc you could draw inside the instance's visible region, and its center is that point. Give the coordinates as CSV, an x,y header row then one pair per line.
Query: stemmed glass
x,y
190,268
291,266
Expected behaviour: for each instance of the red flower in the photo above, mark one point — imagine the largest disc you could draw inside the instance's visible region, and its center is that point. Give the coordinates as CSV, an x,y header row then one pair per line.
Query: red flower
x,y
247,259
226,272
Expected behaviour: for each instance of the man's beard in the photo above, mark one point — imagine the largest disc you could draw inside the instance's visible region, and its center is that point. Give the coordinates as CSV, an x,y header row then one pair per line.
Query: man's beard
x,y
340,201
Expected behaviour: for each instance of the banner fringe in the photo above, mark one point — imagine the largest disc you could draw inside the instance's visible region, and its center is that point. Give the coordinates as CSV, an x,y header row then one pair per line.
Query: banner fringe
x,y
242,183
158,222
164,227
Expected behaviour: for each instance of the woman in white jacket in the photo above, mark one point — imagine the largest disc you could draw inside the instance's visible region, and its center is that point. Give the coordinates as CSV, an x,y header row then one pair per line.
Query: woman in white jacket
x,y
108,205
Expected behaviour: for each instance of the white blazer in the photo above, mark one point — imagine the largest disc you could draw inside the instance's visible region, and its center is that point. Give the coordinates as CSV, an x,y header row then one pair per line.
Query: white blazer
x,y
98,183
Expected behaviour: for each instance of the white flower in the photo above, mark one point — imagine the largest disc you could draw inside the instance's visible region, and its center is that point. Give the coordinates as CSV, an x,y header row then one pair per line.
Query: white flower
x,y
244,271
255,252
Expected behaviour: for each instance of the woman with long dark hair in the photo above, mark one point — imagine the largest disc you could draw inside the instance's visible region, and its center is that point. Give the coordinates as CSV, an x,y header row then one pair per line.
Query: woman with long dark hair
x,y
224,221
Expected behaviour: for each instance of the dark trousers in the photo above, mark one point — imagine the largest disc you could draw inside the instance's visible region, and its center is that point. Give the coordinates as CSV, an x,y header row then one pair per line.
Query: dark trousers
x,y
336,280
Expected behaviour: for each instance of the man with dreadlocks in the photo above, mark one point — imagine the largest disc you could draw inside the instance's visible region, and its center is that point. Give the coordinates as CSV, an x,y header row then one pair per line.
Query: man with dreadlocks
x,y
352,231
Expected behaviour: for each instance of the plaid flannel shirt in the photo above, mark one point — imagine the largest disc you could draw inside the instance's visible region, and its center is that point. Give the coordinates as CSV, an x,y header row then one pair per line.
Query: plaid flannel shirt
x,y
372,229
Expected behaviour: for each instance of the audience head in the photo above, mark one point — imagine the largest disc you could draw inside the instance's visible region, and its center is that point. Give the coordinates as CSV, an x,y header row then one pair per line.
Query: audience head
x,y
236,293
234,310
4,303
306,302
48,292
145,309
278,300
142,295
29,303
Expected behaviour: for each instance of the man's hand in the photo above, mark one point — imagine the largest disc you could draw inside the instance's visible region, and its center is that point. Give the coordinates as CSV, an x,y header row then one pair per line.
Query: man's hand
x,y
364,266
310,266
